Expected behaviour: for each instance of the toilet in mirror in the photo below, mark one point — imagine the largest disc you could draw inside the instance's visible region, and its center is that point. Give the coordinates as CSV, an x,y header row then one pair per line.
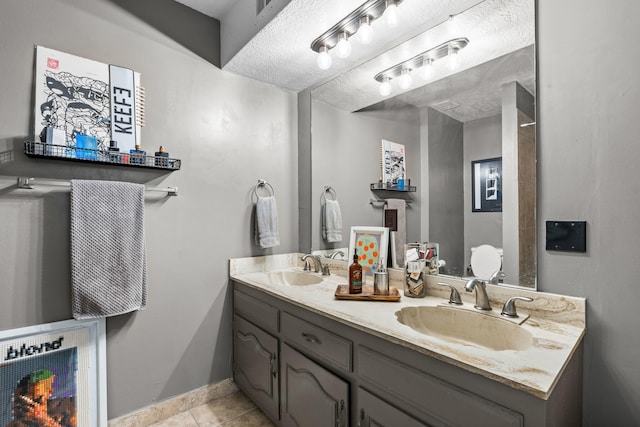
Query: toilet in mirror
x,y
469,130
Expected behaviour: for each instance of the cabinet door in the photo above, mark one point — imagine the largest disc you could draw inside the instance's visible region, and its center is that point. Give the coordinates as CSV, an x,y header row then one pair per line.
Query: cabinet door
x,y
311,395
255,365
374,412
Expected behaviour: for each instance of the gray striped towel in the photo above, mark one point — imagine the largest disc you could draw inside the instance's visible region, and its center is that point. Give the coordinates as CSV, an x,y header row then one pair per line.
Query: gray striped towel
x,y
108,259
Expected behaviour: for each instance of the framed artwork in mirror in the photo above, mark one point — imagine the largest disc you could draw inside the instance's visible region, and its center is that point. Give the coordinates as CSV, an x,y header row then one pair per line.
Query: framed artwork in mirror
x,y
371,244
486,185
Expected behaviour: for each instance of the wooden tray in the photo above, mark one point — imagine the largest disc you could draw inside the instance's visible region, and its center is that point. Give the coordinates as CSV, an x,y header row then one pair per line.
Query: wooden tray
x,y
342,292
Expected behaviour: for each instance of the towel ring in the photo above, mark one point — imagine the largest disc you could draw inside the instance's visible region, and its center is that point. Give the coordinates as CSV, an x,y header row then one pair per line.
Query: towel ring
x,y
265,184
331,191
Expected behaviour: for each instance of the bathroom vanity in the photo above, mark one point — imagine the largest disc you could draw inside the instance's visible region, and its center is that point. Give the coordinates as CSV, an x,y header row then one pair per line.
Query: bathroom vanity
x,y
308,359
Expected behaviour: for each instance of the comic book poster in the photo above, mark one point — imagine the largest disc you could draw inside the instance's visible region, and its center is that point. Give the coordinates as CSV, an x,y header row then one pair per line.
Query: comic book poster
x,y
84,97
392,161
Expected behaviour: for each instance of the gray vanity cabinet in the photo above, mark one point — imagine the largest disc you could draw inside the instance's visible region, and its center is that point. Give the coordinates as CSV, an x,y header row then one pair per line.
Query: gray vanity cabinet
x,y
255,365
304,369
311,395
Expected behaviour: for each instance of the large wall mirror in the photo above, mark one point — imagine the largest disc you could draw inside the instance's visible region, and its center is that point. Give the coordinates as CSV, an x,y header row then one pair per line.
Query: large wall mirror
x,y
454,123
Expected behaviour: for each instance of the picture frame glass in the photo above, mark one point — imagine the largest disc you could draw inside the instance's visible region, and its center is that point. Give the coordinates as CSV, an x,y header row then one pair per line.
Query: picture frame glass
x,y
486,185
57,368
370,244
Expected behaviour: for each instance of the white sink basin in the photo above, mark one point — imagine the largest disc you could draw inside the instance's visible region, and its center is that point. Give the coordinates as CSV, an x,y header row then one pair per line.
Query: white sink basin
x,y
294,278
478,329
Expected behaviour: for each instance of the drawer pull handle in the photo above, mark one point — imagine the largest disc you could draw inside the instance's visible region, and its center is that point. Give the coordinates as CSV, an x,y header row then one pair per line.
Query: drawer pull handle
x,y
311,338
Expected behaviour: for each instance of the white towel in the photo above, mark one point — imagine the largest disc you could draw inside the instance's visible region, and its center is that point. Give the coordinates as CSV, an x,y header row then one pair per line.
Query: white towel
x,y
108,260
266,231
332,221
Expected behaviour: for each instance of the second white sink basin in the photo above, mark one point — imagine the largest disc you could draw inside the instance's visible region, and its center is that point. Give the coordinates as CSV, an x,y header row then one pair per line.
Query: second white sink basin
x,y
294,278
478,329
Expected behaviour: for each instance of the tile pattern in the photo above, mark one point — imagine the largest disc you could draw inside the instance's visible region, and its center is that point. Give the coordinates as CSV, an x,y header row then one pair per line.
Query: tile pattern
x,y
219,404
232,410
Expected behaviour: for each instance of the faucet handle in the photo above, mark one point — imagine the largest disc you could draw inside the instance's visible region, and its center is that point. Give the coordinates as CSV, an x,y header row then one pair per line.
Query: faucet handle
x,y
325,270
454,297
509,309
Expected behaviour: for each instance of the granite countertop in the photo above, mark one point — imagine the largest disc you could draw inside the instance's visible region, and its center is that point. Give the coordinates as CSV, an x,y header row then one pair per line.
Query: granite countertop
x,y
556,322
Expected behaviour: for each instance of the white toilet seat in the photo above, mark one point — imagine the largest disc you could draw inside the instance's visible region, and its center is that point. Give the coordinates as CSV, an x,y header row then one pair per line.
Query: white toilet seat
x,y
485,260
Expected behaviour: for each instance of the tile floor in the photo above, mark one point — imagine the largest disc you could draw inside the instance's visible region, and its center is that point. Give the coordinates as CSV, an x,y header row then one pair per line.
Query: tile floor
x,y
232,410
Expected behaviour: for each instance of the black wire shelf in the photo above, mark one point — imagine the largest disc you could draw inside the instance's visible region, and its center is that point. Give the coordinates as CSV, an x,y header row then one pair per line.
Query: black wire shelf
x,y
62,152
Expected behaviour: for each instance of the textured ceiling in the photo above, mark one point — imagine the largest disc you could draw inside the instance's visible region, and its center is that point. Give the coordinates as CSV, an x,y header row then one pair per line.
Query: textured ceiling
x,y
494,28
280,53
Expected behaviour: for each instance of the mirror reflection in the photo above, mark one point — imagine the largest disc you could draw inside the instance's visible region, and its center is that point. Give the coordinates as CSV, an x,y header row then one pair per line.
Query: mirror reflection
x,y
469,136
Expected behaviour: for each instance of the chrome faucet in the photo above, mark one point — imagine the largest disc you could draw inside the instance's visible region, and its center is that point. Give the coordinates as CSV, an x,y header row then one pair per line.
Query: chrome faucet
x,y
482,299
336,253
316,262
496,277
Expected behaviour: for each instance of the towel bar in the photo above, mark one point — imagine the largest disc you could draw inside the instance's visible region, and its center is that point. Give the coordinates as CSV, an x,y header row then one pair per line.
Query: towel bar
x,y
328,189
263,183
28,183
383,202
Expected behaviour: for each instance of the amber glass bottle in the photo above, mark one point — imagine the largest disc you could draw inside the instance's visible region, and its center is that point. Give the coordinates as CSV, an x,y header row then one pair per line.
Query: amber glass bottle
x,y
355,276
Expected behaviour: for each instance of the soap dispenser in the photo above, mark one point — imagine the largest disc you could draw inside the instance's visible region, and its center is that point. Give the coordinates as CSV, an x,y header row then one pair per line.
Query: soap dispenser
x,y
381,279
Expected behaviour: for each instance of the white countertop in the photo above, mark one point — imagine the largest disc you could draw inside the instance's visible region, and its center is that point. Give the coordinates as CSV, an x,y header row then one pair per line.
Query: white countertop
x,y
556,322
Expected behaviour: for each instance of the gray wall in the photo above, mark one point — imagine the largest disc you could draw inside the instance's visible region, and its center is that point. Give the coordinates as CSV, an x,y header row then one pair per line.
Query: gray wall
x,y
446,207
229,131
346,155
589,101
482,140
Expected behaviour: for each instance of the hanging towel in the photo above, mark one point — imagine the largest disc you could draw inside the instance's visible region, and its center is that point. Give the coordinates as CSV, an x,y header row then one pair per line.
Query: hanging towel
x,y
332,221
400,235
108,260
266,231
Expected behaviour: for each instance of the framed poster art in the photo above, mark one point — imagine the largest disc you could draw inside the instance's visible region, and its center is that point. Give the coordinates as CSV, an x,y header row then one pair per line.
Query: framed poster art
x,y
486,185
392,162
54,374
370,243
79,96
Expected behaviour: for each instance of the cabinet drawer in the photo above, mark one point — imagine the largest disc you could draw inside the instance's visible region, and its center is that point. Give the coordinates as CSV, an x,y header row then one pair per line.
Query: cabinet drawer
x,y
440,401
378,413
258,312
317,341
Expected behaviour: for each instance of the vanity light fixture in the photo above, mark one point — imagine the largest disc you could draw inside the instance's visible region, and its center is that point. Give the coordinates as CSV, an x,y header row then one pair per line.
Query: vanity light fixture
x,y
391,13
427,71
365,32
405,80
423,61
359,21
343,48
324,59
385,87
454,60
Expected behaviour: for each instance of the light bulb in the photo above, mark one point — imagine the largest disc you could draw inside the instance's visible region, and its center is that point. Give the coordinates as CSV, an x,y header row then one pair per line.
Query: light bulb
x,y
385,87
343,48
365,32
454,61
324,59
405,79
391,14
427,70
